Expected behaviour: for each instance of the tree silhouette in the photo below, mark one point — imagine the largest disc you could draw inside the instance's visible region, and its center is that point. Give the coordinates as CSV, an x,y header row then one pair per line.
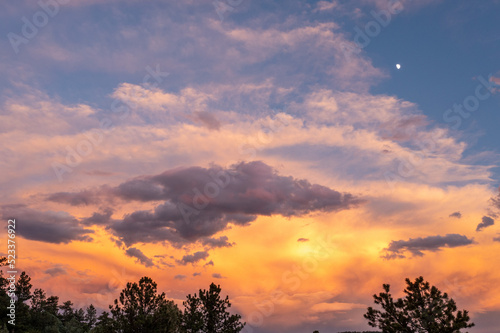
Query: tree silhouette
x,y
141,309
4,298
23,294
90,317
105,324
44,312
207,312
423,309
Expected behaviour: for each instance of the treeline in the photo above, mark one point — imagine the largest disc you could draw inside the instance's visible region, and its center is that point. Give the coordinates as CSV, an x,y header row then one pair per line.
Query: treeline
x,y
139,309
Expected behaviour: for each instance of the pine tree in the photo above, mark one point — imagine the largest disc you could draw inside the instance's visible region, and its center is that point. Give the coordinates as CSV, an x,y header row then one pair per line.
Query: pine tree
x,y
207,312
423,309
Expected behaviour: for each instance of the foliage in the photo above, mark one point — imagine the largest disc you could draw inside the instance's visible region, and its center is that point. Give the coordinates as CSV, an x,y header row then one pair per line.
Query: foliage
x,y
141,309
423,309
207,312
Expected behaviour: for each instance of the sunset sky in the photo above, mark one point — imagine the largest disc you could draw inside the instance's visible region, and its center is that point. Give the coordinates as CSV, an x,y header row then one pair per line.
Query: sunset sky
x,y
272,147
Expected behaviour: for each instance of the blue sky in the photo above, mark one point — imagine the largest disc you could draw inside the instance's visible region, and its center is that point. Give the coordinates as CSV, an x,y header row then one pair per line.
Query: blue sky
x,y
442,58
329,142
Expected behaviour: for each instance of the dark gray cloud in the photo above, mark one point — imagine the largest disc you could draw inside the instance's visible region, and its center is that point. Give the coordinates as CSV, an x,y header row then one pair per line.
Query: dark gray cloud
x,y
196,274
210,263
415,246
193,258
96,287
486,222
180,277
99,218
303,240
55,271
199,202
456,214
141,257
45,226
217,242
217,276
82,198
195,203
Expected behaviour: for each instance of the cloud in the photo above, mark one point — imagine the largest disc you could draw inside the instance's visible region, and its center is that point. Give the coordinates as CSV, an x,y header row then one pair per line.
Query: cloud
x,y
217,276
337,306
495,80
82,198
251,188
327,49
456,214
400,5
55,271
97,288
325,6
303,240
432,243
46,226
99,218
141,257
193,258
207,119
487,221
217,242
196,274
210,263
199,202
180,277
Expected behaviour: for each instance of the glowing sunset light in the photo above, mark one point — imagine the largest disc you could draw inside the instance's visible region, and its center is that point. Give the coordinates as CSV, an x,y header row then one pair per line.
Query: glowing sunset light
x,y
267,147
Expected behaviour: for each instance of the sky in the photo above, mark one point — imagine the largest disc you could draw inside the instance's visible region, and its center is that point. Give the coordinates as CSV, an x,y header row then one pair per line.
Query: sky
x,y
271,147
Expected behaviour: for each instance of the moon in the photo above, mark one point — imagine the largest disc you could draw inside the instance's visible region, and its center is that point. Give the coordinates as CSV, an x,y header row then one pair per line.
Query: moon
x,y
398,66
